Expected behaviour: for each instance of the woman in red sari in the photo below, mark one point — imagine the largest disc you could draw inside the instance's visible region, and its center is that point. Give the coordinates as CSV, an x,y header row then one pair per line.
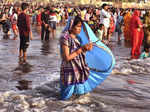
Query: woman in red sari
x,y
136,35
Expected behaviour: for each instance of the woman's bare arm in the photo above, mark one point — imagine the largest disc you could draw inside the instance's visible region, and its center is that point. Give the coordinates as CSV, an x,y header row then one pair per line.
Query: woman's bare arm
x,y
66,54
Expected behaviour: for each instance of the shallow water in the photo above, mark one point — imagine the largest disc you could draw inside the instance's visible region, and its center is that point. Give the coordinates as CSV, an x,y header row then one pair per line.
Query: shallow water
x,y
34,86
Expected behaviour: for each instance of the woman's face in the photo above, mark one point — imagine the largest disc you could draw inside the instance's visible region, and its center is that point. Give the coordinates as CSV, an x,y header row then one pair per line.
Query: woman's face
x,y
77,29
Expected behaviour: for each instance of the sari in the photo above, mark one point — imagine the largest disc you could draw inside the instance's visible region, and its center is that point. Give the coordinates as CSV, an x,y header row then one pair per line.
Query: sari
x,y
126,30
137,35
92,68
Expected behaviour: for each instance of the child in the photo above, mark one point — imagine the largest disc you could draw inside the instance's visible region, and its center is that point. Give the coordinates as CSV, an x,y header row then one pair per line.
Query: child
x,y
100,32
146,53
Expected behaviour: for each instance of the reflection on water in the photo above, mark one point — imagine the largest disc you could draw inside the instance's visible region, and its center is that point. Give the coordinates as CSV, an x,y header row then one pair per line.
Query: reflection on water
x,y
24,85
45,48
49,47
25,67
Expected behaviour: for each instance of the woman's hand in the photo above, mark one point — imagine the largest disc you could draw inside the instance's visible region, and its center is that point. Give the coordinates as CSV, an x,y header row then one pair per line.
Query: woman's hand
x,y
88,47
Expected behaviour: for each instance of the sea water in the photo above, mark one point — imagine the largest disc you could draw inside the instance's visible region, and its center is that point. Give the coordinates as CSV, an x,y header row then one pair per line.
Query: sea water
x,y
34,86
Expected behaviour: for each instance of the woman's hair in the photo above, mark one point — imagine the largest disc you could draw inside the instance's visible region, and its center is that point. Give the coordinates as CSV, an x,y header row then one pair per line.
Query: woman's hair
x,y
76,21
24,6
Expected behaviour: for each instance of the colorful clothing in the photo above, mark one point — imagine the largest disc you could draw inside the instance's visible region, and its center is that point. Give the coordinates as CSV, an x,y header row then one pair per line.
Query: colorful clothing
x,y
87,17
119,25
24,24
24,30
38,19
136,34
75,71
126,30
112,25
76,77
14,21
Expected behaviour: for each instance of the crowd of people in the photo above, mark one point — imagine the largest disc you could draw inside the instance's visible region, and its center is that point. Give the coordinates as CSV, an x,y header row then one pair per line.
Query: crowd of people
x,y
105,21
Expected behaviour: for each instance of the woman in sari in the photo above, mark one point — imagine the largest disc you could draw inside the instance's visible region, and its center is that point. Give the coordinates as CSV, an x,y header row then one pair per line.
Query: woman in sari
x,y
126,30
78,49
136,35
74,71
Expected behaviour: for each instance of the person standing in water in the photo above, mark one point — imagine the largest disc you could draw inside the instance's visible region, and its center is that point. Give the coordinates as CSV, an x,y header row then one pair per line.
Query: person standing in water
x,y
74,70
24,31
137,35
45,27
77,78
53,22
13,19
105,19
126,30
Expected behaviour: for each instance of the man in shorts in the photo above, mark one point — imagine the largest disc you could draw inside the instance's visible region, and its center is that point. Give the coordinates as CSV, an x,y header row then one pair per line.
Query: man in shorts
x,y
23,23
